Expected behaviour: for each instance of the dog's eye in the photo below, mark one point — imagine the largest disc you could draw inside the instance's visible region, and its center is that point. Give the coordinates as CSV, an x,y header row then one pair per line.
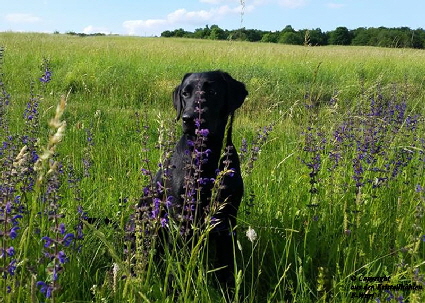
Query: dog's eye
x,y
185,94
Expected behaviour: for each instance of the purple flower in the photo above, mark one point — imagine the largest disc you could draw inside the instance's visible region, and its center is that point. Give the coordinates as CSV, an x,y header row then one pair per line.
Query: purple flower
x,y
15,218
203,181
13,232
390,295
47,241
55,272
202,132
400,299
82,213
62,257
244,146
8,207
146,191
169,201
47,77
10,251
67,240
45,289
164,221
11,267
62,229
145,172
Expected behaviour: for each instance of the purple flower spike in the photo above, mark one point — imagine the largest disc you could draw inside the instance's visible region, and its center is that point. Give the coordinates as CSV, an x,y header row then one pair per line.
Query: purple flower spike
x,y
203,132
45,289
62,257
67,240
10,251
47,241
14,232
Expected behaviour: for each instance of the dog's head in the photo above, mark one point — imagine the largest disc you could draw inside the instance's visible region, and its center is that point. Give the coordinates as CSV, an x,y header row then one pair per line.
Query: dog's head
x,y
207,98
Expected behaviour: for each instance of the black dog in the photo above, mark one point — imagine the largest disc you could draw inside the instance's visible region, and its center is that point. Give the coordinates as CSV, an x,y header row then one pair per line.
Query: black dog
x,y
206,103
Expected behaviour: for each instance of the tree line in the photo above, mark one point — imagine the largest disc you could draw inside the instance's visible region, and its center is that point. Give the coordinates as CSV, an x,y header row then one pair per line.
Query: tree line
x,y
400,37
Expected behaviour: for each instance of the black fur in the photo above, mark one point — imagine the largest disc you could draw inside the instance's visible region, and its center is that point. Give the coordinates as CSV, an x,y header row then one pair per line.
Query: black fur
x,y
221,95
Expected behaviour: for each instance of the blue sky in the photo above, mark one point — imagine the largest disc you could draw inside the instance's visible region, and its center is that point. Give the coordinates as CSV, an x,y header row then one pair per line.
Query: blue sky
x,y
147,17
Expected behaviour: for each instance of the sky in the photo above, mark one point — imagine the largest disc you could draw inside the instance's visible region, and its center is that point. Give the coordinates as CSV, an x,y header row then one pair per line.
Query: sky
x,y
151,17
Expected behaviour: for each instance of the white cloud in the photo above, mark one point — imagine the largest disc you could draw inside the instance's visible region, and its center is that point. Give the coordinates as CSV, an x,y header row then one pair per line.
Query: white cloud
x,y
22,18
292,3
137,27
181,17
212,1
95,30
335,5
284,3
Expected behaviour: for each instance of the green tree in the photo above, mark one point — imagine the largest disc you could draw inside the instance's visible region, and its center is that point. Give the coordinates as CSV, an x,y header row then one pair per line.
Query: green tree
x,y
293,38
202,33
253,35
340,36
270,37
167,34
217,33
361,36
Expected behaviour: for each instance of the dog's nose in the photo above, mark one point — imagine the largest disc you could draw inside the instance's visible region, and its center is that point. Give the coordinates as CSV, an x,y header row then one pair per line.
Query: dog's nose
x,y
187,118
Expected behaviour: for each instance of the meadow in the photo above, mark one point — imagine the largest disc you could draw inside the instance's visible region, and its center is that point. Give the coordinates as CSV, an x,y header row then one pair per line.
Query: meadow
x,y
332,140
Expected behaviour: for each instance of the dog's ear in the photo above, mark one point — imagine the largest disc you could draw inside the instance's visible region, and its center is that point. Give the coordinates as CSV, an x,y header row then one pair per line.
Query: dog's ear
x,y
236,92
177,99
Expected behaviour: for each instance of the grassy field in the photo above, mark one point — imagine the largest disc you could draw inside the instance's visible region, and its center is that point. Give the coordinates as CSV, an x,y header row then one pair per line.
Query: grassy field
x,y
335,197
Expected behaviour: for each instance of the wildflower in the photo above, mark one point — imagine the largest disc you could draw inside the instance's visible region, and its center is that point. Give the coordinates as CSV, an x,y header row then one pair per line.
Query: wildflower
x,y
11,267
89,133
47,76
202,132
47,241
62,257
67,240
45,289
10,251
257,144
358,171
47,73
164,221
251,234
146,172
62,228
169,201
13,233
82,215
390,295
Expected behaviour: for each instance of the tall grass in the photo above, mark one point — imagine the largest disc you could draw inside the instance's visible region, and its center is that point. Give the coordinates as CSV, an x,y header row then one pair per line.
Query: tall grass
x,y
335,193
